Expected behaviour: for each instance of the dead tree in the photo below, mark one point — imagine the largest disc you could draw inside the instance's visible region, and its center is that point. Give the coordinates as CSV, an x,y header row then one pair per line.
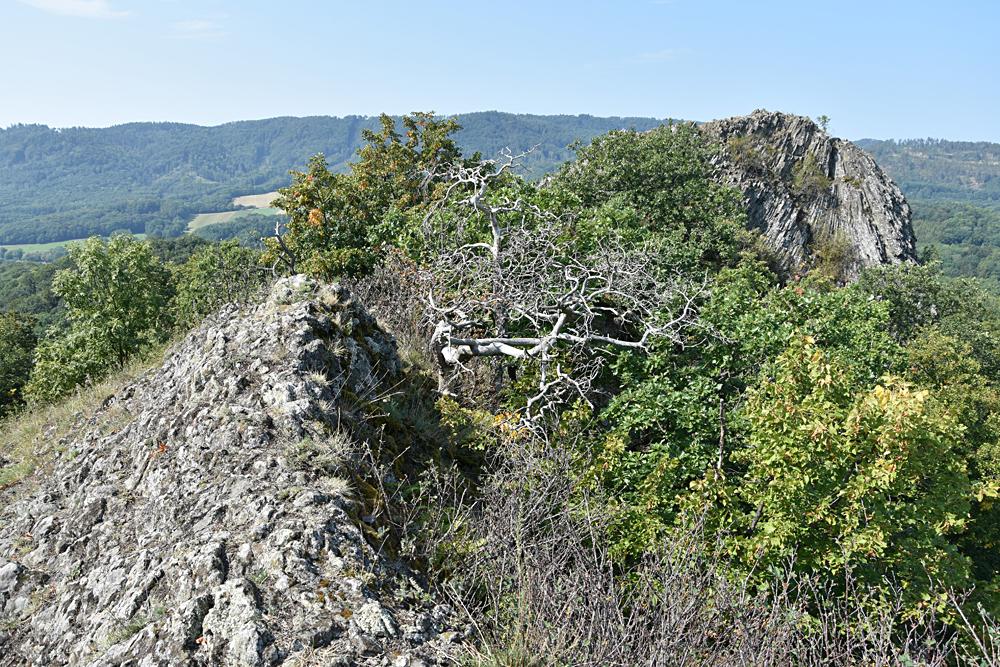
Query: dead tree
x,y
284,254
508,287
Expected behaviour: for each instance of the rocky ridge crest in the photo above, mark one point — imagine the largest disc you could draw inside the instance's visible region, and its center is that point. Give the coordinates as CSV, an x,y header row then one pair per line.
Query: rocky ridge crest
x,y
180,527
804,188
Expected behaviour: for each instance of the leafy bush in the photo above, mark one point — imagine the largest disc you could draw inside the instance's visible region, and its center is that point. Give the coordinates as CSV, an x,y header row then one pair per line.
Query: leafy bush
x,y
659,184
340,224
809,179
833,256
17,344
742,150
215,275
116,294
840,476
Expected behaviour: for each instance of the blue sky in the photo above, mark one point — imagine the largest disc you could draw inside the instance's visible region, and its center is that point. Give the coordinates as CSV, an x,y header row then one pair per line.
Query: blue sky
x,y
879,68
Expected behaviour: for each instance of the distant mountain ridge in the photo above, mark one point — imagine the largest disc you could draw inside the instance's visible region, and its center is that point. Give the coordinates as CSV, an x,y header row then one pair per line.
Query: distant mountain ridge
x,y
936,169
58,184
954,189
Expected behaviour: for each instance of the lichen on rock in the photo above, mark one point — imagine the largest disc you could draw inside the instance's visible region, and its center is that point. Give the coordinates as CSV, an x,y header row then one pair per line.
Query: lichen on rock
x,y
194,534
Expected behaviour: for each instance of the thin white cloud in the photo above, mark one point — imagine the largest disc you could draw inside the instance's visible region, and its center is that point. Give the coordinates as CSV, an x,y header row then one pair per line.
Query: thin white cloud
x,y
95,9
198,29
661,56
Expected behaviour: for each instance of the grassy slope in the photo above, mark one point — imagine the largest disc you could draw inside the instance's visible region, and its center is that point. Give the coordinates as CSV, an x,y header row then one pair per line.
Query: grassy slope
x,y
32,440
206,219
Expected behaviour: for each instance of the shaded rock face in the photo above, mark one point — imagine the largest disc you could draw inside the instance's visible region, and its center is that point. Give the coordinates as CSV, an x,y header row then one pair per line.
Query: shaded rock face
x,y
189,536
812,194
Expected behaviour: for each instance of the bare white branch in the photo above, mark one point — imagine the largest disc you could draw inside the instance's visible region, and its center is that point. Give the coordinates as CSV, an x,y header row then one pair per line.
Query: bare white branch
x,y
504,286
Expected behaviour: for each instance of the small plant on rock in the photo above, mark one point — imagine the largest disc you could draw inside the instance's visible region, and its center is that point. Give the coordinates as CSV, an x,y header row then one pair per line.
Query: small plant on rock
x,y
809,179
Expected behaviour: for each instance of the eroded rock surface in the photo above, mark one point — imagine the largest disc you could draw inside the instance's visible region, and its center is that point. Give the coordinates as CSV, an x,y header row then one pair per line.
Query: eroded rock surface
x,y
805,189
178,530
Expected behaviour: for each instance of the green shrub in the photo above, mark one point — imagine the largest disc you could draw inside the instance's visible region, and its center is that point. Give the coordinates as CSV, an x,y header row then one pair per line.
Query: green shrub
x,y
17,344
833,255
743,152
116,294
809,179
215,275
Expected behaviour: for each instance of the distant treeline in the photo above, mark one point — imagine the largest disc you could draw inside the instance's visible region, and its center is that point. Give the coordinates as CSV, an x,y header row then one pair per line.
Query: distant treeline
x,y
936,170
954,189
153,177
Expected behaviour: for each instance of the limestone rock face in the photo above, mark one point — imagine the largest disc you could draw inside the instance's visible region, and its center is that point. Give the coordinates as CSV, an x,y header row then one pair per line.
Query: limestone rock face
x,y
177,529
806,191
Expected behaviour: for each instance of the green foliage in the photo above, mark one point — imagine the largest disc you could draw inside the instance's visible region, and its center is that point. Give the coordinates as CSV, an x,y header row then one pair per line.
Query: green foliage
x,y
341,224
965,237
115,294
67,360
659,185
17,345
842,476
216,274
250,229
808,178
117,287
743,151
950,367
919,296
832,255
27,288
848,428
175,251
680,410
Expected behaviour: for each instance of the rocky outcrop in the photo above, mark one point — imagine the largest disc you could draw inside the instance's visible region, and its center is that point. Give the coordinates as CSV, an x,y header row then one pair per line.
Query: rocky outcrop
x,y
199,519
809,193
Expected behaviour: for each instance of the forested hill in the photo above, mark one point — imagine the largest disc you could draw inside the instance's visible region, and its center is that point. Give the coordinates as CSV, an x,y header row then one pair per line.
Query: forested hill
x,y
58,184
935,169
954,189
155,177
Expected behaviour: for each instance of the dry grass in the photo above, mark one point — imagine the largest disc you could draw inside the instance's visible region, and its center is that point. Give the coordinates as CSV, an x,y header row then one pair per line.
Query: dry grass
x,y
256,201
206,219
832,255
396,295
528,564
31,439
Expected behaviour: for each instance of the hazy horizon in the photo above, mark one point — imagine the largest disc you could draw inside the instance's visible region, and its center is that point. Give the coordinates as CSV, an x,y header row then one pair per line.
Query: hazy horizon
x,y
458,114
878,70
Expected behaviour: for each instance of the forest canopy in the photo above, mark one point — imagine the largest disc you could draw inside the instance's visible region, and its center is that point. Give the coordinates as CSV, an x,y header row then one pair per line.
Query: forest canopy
x,y
59,184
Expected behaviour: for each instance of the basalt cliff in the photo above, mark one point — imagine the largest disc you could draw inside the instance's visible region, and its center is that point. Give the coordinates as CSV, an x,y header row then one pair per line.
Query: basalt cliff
x,y
810,194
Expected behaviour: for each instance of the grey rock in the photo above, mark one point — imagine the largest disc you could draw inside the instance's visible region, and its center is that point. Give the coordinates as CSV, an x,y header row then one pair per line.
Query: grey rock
x,y
190,533
373,619
850,200
8,578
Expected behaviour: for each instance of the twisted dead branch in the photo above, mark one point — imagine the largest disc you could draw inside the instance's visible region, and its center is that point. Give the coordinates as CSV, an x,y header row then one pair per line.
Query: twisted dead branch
x,y
508,287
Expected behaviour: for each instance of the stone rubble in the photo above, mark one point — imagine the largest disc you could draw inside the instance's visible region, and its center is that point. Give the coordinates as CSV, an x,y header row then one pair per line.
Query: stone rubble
x,y
188,536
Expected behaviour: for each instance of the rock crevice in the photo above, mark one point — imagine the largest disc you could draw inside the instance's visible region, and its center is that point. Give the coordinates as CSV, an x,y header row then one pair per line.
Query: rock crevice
x,y
192,536
804,190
